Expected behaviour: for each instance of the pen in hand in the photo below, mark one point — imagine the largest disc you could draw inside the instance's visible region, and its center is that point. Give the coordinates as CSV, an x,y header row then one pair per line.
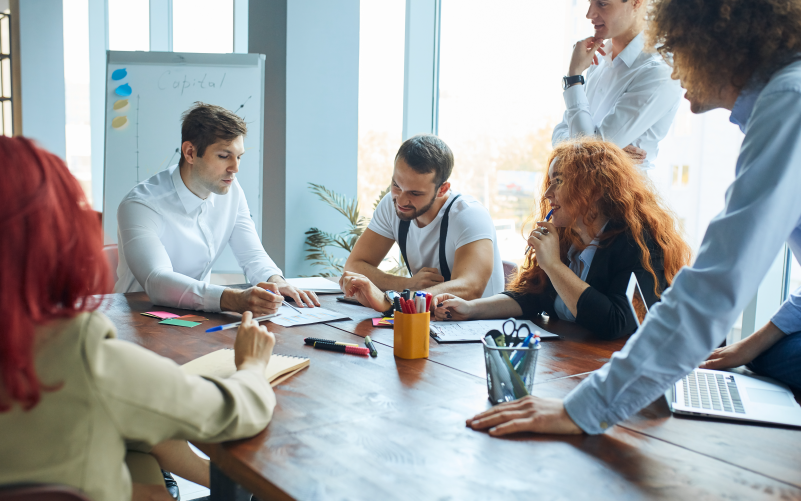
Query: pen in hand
x,y
547,218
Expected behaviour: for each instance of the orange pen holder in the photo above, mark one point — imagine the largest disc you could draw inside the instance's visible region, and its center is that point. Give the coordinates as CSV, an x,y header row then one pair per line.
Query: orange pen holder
x,y
411,334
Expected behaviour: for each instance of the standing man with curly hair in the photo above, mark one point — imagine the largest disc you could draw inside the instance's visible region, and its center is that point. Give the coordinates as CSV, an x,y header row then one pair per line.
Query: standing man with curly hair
x,y
744,56
628,97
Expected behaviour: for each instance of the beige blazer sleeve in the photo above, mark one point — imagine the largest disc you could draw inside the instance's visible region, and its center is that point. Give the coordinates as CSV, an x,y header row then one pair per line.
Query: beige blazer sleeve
x,y
150,399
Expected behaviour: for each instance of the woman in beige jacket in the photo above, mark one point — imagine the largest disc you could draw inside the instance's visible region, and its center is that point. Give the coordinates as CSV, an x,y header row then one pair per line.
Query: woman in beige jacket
x,y
74,401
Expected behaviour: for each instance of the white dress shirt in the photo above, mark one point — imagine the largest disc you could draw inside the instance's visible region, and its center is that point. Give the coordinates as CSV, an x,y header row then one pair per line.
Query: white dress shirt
x,y
630,100
763,210
169,238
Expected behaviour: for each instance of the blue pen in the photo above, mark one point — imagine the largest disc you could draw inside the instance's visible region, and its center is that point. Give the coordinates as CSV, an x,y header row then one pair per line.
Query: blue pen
x,y
237,324
519,354
547,218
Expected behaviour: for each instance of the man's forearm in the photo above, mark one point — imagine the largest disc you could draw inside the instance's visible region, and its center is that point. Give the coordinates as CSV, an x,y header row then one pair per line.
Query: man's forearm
x,y
766,337
460,287
380,279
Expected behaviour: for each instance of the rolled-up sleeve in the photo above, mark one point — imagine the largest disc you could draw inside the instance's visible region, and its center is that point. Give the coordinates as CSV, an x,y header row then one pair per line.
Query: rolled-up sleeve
x,y
695,314
651,96
788,318
139,226
150,399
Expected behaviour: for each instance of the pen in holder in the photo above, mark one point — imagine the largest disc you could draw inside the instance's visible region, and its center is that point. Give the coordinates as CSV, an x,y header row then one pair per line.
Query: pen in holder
x,y
411,334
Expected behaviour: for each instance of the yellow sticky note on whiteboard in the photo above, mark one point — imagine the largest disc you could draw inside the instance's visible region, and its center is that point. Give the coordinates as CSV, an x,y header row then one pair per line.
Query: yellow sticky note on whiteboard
x,y
119,122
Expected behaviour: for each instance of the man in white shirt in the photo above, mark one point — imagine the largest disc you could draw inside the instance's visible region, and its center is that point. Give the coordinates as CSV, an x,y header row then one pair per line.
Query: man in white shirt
x,y
628,98
173,226
447,239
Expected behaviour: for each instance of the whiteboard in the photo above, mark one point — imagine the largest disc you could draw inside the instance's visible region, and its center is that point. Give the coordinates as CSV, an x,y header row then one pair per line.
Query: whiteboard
x,y
146,92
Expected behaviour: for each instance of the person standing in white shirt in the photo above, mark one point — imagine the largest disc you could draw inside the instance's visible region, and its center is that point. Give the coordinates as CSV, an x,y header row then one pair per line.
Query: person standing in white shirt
x,y
447,239
628,98
174,226
744,56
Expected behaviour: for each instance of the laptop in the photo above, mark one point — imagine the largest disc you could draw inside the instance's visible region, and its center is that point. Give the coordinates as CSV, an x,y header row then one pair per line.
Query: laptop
x,y
724,394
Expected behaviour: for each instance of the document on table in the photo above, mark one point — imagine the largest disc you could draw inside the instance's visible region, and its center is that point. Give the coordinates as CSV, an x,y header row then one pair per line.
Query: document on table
x,y
290,318
472,331
318,285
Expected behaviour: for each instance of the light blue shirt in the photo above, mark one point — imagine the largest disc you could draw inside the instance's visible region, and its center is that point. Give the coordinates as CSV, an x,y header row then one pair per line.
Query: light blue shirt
x,y
585,257
762,211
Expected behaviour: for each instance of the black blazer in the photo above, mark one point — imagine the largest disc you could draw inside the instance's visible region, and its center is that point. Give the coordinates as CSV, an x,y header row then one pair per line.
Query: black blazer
x,y
603,307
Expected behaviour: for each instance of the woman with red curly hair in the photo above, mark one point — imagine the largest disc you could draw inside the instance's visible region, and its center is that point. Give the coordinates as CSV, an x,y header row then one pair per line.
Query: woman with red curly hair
x,y
607,224
76,403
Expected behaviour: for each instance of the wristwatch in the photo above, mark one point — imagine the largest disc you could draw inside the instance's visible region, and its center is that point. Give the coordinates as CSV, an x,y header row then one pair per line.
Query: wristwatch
x,y
390,295
568,81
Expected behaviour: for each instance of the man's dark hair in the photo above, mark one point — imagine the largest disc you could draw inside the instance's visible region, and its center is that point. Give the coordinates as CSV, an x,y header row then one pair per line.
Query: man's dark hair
x,y
205,124
427,153
714,41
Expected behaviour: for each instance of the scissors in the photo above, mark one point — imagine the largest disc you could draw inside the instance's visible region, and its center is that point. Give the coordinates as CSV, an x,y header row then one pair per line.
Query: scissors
x,y
512,333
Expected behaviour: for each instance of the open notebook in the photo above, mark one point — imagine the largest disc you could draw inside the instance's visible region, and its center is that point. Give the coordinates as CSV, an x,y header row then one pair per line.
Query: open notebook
x,y
220,363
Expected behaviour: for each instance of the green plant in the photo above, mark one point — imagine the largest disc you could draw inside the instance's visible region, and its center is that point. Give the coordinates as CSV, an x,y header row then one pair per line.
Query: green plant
x,y
317,240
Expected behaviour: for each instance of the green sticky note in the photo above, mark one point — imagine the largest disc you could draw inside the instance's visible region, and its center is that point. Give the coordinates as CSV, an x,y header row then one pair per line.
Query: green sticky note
x,y
179,323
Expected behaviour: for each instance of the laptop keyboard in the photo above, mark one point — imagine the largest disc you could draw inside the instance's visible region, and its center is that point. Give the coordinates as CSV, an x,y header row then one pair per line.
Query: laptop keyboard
x,y
703,390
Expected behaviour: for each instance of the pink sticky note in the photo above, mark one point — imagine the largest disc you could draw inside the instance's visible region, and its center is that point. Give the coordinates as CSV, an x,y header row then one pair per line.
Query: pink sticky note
x,y
163,314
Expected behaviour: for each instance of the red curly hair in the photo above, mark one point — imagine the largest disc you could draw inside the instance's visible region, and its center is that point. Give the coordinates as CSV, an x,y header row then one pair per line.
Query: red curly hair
x,y
599,178
51,259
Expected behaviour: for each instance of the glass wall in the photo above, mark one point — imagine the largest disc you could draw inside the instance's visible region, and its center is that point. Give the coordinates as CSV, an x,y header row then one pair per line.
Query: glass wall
x,y
203,25
128,24
499,98
76,81
381,60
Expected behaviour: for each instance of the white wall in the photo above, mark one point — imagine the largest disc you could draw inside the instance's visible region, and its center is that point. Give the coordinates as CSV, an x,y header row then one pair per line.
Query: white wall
x,y
42,92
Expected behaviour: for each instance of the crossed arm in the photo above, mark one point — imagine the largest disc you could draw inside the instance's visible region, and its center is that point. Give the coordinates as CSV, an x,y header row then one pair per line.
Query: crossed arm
x,y
472,269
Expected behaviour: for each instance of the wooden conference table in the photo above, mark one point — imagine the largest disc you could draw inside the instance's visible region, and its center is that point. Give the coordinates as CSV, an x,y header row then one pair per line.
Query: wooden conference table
x,y
351,427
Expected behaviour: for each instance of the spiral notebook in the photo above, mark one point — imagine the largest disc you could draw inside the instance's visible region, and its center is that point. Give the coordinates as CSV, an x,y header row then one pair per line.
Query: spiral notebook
x,y
220,363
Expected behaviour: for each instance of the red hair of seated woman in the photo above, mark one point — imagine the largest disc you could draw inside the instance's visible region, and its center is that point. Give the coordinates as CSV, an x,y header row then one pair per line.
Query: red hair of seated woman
x,y
51,260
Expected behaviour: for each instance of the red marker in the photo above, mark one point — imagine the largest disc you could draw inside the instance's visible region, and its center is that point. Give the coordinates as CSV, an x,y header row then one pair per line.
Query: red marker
x,y
428,301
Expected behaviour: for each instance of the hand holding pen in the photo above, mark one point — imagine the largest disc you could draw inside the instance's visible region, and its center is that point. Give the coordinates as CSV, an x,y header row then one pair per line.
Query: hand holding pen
x,y
450,307
539,229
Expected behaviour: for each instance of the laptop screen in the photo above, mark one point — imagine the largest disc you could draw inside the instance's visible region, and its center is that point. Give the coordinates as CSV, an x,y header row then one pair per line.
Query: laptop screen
x,y
636,301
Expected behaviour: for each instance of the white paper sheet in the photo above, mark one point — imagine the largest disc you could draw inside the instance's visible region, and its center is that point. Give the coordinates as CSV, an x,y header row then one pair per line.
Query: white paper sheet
x,y
475,330
291,318
317,285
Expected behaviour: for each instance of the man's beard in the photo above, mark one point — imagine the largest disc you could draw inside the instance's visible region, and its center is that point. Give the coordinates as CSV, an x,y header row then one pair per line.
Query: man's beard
x,y
415,214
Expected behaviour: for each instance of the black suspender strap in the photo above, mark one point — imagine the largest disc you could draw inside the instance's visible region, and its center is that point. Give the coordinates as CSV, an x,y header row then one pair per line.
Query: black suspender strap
x,y
403,232
443,235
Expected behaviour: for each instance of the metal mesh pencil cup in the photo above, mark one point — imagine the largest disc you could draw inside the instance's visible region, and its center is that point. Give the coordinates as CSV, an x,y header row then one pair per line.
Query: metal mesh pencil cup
x,y
509,377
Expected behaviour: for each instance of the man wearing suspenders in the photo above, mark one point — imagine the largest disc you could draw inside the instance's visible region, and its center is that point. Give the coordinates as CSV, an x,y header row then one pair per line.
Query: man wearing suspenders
x,y
447,239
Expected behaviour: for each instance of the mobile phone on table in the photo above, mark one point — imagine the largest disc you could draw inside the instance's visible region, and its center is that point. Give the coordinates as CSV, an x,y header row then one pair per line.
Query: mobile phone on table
x,y
351,300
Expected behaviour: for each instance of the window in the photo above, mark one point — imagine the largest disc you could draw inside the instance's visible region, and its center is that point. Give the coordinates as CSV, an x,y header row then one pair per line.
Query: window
x,y
76,99
6,113
203,25
794,280
681,175
712,151
500,97
128,25
381,53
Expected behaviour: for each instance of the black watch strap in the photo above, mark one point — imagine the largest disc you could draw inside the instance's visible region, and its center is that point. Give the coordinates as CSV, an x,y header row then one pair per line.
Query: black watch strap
x,y
568,81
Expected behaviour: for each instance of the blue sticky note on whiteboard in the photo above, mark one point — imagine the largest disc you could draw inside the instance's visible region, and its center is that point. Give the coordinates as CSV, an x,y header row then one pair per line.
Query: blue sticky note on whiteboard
x,y
123,90
119,74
